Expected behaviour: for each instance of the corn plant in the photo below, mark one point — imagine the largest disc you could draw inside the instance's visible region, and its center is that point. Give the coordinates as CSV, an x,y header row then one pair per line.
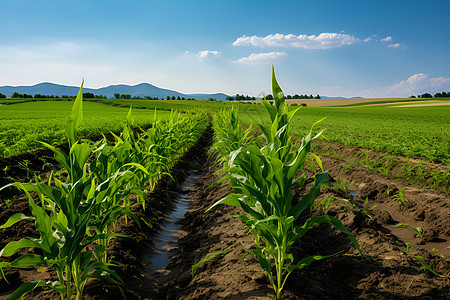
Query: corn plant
x,y
229,135
262,177
62,218
418,230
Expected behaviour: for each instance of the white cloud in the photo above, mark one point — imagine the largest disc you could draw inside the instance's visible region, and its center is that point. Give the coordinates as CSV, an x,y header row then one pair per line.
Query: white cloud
x,y
256,58
203,55
416,84
387,39
322,41
396,45
206,54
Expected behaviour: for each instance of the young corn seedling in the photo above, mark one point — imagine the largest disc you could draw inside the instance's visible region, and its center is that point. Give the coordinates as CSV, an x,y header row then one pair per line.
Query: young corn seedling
x,y
418,230
262,177
429,268
400,198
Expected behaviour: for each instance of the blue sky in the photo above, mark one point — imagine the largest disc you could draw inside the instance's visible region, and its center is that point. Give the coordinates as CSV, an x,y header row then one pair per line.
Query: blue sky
x,y
333,48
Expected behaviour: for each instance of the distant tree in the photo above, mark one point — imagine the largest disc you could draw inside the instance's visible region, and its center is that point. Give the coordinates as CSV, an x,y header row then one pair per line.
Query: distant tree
x,y
117,95
296,96
178,98
182,98
269,97
426,95
317,97
16,95
168,97
445,94
38,96
288,97
2,96
88,95
412,96
173,97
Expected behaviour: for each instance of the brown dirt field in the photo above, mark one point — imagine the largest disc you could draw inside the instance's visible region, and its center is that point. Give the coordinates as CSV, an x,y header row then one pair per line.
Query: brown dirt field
x,y
384,272
333,102
424,104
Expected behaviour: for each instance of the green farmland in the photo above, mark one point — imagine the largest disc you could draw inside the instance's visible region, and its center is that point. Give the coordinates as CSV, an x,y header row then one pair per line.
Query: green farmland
x,y
24,124
407,131
386,155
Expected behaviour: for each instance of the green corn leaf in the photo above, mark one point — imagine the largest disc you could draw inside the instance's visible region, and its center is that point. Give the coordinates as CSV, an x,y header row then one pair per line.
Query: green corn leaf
x,y
51,192
272,110
278,95
318,161
75,117
138,166
60,156
321,179
80,154
12,247
426,266
43,224
16,218
309,260
263,261
231,199
29,286
195,267
130,117
25,261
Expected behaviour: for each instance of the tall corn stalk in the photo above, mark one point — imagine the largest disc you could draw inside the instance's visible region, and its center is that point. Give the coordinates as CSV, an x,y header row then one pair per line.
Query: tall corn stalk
x,y
262,177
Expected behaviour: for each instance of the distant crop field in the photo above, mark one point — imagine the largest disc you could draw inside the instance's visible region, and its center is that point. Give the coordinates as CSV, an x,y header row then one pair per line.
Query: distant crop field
x,y
367,101
408,131
25,124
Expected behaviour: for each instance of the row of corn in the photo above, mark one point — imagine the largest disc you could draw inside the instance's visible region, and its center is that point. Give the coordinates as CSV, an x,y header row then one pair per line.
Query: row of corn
x,y
76,217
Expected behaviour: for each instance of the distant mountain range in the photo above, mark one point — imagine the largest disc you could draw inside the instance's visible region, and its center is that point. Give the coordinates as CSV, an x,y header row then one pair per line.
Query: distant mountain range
x,y
142,90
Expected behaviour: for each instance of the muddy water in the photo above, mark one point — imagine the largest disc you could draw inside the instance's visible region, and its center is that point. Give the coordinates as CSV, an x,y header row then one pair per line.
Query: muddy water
x,y
166,239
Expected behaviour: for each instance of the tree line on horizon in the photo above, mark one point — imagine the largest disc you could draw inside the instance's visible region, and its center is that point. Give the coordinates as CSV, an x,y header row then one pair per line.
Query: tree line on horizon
x,y
296,96
428,95
89,95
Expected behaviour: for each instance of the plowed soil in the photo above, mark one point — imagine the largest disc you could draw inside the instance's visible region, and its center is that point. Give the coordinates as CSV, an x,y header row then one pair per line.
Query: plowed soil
x,y
387,269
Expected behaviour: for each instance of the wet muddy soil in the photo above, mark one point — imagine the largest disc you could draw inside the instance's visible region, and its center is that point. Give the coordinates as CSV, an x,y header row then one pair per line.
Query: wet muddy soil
x,y
369,204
